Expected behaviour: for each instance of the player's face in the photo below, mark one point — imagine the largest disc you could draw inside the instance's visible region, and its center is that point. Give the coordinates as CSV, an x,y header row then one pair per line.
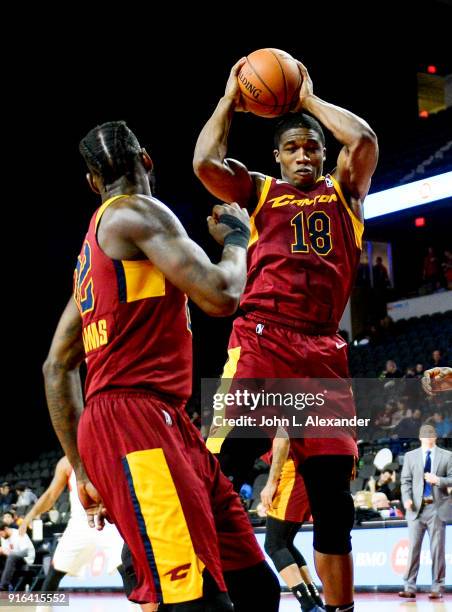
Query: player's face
x,y
301,156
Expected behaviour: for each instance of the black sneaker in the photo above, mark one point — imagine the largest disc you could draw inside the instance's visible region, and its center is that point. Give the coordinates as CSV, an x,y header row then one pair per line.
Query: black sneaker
x,y
315,594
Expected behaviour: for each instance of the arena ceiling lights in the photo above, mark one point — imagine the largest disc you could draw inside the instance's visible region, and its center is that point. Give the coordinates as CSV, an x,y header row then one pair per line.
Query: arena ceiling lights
x,y
408,196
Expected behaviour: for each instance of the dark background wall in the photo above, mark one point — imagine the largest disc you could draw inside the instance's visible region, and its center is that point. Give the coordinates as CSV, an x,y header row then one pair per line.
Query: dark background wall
x,y
165,84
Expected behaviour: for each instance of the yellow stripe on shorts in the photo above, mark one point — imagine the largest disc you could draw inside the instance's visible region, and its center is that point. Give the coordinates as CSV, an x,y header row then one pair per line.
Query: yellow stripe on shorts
x,y
283,491
217,435
163,526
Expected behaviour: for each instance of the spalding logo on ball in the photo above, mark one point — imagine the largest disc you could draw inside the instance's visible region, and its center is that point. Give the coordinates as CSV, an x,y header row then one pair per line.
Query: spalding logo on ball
x,y
270,82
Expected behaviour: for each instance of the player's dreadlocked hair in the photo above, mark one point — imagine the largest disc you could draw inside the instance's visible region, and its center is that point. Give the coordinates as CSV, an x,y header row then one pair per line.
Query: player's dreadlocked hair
x,y
110,150
295,120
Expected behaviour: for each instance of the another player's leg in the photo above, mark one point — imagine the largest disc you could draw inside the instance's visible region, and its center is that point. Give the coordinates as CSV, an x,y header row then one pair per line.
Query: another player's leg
x,y
238,454
153,494
251,583
53,579
332,541
287,559
253,588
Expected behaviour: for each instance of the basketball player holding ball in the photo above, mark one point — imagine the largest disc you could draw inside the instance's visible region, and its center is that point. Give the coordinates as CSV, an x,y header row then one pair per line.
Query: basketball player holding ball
x,y
306,239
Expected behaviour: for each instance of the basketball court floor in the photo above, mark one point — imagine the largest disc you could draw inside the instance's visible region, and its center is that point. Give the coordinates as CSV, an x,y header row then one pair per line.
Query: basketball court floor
x,y
364,602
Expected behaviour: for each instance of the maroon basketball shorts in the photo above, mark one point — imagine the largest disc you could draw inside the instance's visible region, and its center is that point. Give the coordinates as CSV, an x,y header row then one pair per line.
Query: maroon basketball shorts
x,y
260,349
164,491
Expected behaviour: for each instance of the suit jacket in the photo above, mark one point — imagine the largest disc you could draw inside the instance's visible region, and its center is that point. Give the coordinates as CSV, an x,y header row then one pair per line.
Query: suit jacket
x,y
412,481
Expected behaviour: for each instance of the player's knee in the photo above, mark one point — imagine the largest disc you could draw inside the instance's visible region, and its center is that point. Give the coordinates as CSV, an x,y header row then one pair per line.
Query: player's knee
x,y
296,554
274,542
334,538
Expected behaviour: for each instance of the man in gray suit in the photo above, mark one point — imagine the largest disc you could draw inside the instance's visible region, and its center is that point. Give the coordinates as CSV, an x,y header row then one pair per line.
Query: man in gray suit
x,y
426,475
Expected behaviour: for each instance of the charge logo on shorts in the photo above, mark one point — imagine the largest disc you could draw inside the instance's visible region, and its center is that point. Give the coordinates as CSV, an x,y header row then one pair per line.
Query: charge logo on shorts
x,y
179,572
260,329
168,419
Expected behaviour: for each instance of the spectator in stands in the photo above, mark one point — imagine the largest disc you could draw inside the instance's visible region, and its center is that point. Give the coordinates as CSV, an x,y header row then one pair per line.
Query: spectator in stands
x,y
363,275
380,503
409,426
442,424
382,484
390,375
9,518
384,418
380,274
419,369
7,497
391,370
17,551
447,268
431,273
399,413
438,360
25,498
363,507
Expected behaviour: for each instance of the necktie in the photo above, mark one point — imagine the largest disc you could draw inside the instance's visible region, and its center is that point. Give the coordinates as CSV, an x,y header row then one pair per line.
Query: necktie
x,y
428,468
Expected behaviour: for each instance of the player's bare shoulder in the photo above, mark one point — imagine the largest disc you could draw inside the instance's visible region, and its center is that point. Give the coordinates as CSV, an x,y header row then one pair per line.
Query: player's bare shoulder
x,y
64,467
131,220
258,180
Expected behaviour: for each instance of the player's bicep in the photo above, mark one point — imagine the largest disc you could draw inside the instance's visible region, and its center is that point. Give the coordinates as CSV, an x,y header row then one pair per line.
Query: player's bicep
x,y
66,350
228,180
179,258
356,164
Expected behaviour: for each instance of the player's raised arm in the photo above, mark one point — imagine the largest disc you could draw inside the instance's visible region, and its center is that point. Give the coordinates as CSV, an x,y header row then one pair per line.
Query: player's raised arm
x,y
358,158
227,179
156,232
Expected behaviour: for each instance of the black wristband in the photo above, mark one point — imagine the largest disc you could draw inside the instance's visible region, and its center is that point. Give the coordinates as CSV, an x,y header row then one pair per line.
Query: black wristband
x,y
241,234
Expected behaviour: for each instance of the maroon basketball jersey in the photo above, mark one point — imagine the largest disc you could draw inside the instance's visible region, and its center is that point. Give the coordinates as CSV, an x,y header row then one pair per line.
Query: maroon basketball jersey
x,y
136,326
303,254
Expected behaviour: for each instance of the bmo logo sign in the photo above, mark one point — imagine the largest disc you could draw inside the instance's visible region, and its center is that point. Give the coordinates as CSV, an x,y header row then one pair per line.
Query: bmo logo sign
x,y
370,559
399,557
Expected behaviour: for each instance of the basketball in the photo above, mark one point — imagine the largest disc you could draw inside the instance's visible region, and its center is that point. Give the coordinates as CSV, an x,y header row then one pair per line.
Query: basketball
x,y
269,82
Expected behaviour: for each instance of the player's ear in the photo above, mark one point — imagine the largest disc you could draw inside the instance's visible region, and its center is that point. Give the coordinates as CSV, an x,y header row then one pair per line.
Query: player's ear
x,y
92,183
276,154
146,159
324,153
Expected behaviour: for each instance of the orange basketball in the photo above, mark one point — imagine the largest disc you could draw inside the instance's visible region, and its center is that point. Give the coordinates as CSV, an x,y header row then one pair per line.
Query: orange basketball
x,y
269,81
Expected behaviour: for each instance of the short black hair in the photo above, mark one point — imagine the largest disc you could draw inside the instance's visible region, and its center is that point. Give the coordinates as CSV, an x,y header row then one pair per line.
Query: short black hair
x,y
294,120
3,525
110,150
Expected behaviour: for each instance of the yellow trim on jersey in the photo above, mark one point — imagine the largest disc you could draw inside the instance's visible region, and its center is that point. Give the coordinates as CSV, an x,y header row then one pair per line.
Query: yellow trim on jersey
x,y
166,526
104,206
358,226
254,234
143,280
215,442
283,491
